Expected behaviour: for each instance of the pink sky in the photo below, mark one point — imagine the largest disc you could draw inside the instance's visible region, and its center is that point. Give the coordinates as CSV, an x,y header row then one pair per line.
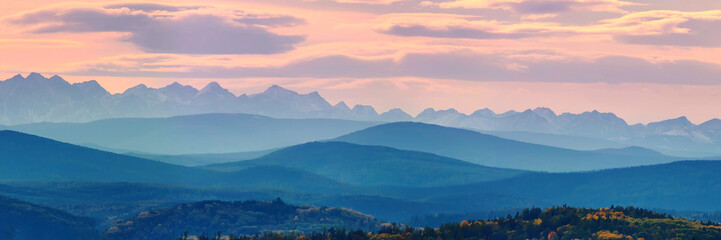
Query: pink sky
x,y
644,60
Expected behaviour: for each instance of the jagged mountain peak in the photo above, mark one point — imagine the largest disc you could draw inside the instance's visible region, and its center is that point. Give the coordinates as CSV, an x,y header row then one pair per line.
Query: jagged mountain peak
x,y
679,121
17,77
213,86
136,89
178,92
315,96
359,107
486,112
216,91
396,110
365,112
508,113
278,91
179,86
595,114
529,114
711,125
544,111
395,115
450,110
428,110
682,119
55,79
342,106
92,88
139,86
34,75
89,84
714,121
174,84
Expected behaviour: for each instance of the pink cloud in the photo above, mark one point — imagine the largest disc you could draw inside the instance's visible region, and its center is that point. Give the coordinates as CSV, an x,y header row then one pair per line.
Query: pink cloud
x,y
539,6
168,28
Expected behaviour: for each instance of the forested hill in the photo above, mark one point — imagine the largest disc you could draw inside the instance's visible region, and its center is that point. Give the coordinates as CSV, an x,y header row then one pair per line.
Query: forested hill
x,y
558,223
23,220
246,218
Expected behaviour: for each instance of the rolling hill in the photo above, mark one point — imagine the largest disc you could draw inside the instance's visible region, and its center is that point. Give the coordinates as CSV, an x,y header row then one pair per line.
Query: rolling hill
x,y
249,217
684,185
194,134
32,158
687,185
109,202
557,140
631,151
374,165
24,221
490,150
194,160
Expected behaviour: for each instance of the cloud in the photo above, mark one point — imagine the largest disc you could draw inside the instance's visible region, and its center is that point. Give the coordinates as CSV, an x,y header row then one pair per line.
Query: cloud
x,y
699,29
538,6
159,28
149,7
449,32
369,1
526,66
35,43
269,20
463,26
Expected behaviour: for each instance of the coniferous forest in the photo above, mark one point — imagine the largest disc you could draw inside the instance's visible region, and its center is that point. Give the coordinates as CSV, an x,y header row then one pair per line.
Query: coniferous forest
x,y
557,223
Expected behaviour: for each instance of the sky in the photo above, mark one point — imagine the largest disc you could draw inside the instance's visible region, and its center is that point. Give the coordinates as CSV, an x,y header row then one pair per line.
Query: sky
x,y
645,60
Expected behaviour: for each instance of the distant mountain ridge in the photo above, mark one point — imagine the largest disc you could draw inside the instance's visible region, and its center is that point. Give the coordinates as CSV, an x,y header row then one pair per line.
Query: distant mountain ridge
x,y
32,158
192,134
493,151
36,98
374,165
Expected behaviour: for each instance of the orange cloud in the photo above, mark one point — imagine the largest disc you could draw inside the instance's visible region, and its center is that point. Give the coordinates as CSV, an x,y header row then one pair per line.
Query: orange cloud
x,y
539,6
369,1
163,28
655,27
41,42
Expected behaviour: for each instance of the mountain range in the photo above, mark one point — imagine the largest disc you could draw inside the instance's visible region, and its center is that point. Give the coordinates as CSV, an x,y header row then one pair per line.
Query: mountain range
x,y
489,150
374,165
32,158
193,134
224,137
109,186
35,98
587,130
